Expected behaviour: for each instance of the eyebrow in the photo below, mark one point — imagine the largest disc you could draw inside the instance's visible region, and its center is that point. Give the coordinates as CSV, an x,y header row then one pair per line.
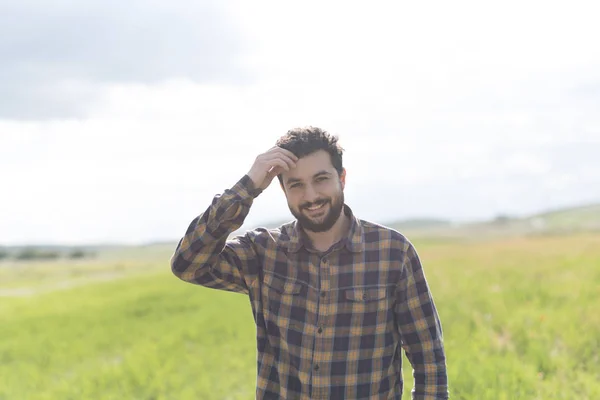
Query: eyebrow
x,y
294,180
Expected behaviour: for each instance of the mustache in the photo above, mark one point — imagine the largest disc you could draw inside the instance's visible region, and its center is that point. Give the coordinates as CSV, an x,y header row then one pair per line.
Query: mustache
x,y
315,203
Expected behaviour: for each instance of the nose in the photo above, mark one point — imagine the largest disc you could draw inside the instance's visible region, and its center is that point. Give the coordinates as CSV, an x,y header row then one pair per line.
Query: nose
x,y
310,194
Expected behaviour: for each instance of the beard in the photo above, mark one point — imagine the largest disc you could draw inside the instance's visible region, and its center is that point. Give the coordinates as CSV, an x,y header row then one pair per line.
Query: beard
x,y
321,223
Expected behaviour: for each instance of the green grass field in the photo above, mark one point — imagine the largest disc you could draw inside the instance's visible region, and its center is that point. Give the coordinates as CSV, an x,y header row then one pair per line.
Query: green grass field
x,y
521,320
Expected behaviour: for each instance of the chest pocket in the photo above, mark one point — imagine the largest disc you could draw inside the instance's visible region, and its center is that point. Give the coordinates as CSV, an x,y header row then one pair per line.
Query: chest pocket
x,y
365,294
282,286
282,295
366,310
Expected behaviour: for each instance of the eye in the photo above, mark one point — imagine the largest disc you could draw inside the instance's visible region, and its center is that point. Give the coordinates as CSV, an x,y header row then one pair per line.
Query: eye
x,y
321,178
295,185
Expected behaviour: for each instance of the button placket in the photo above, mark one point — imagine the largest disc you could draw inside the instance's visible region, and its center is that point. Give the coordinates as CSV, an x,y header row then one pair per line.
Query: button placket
x,y
320,354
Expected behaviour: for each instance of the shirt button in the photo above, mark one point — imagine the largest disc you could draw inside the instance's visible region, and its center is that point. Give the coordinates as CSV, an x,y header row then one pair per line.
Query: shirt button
x,y
317,367
324,260
323,294
365,296
320,330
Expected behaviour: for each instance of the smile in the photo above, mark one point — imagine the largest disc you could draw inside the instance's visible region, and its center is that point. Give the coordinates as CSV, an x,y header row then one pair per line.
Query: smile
x,y
314,208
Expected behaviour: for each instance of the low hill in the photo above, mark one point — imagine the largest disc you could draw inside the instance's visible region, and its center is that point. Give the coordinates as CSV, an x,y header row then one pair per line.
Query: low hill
x,y
578,219
421,223
584,218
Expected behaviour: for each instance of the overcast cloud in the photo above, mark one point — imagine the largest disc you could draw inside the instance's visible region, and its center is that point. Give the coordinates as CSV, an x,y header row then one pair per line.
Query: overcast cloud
x,y
120,122
55,56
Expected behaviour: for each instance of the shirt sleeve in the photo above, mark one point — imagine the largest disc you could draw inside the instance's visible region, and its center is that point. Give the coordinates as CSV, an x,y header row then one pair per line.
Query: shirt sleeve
x,y
421,331
205,256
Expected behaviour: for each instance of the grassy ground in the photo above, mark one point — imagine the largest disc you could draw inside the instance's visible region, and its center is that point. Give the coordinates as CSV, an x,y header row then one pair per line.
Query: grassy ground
x,y
520,320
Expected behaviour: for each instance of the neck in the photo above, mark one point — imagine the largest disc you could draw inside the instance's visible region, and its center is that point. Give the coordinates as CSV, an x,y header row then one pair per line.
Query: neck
x,y
322,241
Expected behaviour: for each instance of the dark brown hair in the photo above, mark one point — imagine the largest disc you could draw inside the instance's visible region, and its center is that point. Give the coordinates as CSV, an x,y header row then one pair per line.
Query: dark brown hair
x,y
307,140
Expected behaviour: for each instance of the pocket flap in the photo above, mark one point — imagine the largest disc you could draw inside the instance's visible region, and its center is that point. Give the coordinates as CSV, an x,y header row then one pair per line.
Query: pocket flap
x,y
286,286
364,294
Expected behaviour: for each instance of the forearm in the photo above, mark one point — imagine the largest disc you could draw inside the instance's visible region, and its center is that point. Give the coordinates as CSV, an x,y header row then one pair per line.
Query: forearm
x,y
202,246
429,372
421,331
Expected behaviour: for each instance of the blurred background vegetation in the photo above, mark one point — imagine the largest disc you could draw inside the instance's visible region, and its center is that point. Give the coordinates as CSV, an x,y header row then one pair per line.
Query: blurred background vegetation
x,y
518,298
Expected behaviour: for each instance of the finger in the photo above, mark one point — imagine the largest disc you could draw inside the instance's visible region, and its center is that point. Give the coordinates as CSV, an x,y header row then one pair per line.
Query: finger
x,y
279,156
290,162
273,173
288,153
278,163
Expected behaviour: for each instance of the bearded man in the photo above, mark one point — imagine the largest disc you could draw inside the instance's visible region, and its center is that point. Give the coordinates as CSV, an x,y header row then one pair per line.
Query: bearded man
x,y
335,298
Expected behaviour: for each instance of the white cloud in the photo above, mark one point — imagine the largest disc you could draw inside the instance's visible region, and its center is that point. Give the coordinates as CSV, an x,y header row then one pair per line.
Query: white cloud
x,y
460,110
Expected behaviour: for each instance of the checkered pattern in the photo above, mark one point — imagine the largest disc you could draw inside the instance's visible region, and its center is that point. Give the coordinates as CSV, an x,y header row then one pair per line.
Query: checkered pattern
x,y
329,325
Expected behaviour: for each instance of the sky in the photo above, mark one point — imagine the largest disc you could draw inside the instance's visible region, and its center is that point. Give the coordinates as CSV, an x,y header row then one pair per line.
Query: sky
x,y
120,121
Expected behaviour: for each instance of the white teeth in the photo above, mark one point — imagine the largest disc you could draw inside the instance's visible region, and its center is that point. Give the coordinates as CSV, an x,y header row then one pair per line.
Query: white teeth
x,y
316,207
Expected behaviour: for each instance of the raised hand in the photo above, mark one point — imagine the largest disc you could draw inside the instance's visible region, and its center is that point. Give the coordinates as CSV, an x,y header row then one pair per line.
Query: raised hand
x,y
270,164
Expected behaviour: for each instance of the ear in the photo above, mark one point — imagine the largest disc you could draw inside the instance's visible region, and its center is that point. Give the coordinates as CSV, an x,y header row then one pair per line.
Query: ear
x,y
343,178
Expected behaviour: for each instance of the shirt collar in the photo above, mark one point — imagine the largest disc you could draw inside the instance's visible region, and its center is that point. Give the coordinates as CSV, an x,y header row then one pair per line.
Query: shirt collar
x,y
295,239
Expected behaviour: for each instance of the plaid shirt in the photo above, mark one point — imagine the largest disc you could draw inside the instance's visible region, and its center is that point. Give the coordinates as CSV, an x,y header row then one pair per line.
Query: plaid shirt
x,y
329,325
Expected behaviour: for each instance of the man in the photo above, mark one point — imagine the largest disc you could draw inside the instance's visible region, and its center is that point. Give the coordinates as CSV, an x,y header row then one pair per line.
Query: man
x,y
335,298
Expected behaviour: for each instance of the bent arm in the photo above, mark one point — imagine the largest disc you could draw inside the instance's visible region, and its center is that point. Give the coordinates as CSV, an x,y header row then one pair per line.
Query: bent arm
x,y
421,331
205,256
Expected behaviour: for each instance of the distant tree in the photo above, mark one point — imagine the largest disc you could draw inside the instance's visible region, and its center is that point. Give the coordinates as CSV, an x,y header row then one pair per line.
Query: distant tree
x,y
4,255
77,254
35,254
502,219
26,254
49,255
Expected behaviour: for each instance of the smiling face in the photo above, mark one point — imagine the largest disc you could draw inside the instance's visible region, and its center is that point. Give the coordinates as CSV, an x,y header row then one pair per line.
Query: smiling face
x,y
315,191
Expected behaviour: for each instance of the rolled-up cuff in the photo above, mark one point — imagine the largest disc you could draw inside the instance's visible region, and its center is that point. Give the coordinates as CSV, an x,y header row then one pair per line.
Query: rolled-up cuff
x,y
245,188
